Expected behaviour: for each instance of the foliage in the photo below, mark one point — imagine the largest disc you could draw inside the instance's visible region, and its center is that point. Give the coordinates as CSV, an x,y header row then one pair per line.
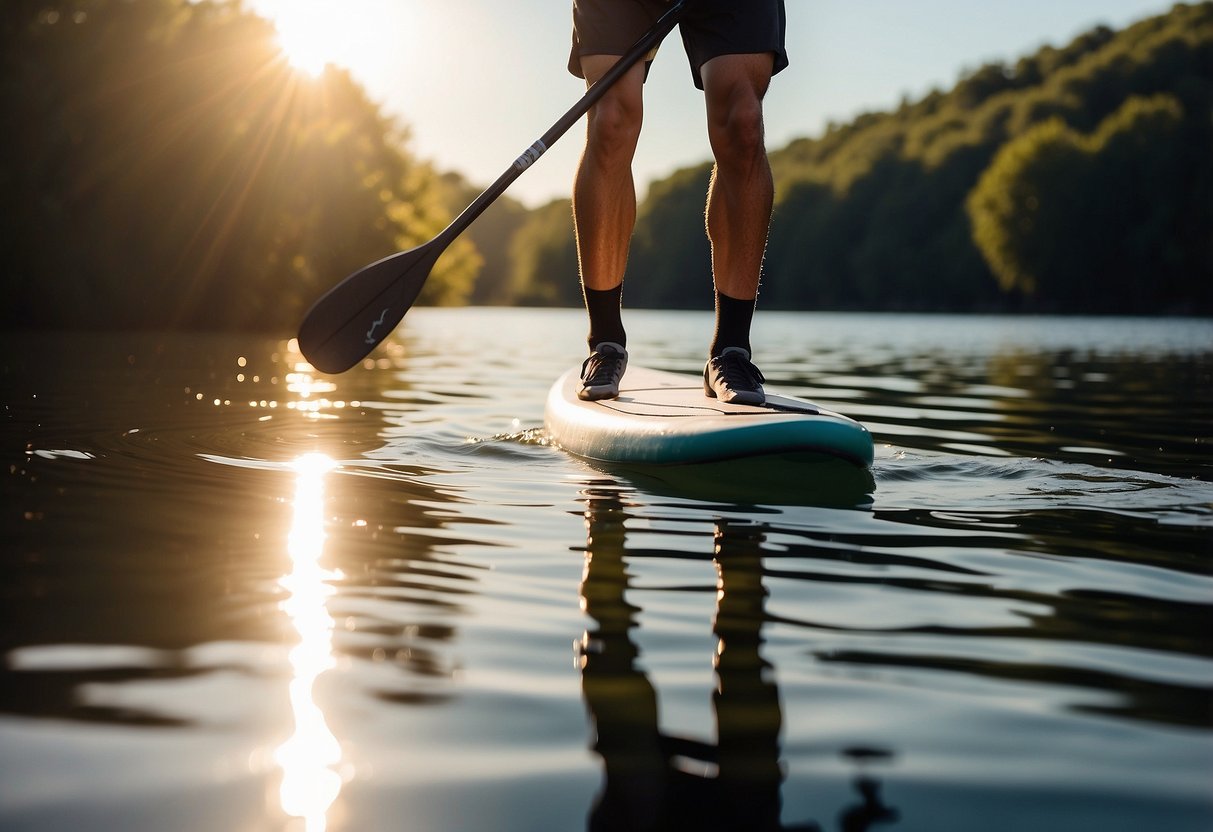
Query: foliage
x,y
491,235
544,258
164,167
1088,219
671,261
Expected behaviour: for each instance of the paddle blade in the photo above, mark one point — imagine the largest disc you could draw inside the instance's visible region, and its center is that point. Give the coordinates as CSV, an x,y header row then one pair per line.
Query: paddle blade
x,y
350,320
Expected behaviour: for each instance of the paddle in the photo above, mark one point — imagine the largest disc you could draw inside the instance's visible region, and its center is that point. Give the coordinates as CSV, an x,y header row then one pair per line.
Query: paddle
x,y
348,321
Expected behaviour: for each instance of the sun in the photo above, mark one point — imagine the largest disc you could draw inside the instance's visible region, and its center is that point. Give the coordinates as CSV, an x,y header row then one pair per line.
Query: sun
x,y
317,33
380,42
303,45
312,33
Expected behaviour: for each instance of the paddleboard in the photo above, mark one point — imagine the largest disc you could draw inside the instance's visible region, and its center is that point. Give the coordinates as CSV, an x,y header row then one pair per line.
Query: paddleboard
x,y
664,418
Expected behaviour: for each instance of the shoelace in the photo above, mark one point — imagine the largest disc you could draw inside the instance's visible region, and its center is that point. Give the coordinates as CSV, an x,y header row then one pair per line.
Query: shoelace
x,y
738,372
602,368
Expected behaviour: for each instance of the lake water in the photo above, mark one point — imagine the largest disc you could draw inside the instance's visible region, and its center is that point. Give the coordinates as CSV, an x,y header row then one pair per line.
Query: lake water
x,y
241,596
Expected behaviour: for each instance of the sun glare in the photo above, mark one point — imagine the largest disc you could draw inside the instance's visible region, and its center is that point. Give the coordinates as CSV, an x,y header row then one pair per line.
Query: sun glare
x,y
309,32
348,33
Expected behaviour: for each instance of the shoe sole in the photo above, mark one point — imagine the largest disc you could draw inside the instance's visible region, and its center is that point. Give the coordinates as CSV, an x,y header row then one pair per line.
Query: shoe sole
x,y
756,397
590,394
738,398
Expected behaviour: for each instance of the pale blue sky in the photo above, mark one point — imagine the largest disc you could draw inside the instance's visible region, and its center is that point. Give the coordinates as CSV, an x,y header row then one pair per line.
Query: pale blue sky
x,y
479,80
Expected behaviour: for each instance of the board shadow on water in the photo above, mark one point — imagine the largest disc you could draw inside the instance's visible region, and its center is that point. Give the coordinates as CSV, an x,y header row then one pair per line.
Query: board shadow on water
x,y
784,480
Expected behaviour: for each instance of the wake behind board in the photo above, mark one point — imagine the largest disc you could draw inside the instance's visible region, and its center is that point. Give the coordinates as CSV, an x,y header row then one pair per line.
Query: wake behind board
x,y
665,418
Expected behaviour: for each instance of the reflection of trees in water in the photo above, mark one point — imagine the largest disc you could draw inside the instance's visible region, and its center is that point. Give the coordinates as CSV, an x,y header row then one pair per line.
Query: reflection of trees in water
x,y
1143,411
1043,415
1082,616
1131,403
657,781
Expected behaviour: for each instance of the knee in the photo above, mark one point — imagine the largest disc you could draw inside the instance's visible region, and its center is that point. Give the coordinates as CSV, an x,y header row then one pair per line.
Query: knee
x,y
737,135
614,126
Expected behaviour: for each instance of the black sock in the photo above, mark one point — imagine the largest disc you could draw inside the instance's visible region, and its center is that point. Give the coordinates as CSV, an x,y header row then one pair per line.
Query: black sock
x,y
606,320
733,319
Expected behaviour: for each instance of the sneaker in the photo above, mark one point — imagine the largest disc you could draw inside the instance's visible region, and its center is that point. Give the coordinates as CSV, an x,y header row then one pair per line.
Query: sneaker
x,y
731,378
602,371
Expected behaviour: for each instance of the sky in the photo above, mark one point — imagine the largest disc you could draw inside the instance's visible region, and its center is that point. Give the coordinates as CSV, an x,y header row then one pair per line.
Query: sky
x,y
477,81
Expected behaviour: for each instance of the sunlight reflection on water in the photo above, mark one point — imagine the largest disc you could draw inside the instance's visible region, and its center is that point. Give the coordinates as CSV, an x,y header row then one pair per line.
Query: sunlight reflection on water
x,y
310,756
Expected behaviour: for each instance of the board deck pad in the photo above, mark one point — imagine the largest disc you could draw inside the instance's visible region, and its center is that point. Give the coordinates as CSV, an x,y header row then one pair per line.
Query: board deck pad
x,y
665,418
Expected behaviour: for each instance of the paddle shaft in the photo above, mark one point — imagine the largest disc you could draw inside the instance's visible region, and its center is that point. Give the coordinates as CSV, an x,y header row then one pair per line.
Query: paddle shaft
x,y
354,316
639,50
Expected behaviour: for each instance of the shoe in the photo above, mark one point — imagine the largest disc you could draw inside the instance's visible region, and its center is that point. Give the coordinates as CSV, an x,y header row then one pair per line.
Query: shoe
x,y
731,378
602,372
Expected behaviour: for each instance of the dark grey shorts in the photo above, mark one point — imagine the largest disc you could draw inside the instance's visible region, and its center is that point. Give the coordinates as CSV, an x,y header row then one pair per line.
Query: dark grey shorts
x,y
709,28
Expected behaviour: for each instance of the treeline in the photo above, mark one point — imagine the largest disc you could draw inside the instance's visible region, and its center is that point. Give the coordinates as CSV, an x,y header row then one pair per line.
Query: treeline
x,y
1079,179
164,167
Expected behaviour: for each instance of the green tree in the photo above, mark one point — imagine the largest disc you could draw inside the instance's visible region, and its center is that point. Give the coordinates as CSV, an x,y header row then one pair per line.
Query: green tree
x,y
670,262
873,215
1010,227
164,167
545,258
491,235
1086,222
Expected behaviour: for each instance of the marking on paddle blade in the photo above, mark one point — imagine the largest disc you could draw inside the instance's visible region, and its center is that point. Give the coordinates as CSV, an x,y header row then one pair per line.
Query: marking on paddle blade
x,y
370,333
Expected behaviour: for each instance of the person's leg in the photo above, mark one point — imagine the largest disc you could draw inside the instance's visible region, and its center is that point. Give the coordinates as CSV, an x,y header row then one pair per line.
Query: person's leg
x,y
742,191
604,195
740,200
604,215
